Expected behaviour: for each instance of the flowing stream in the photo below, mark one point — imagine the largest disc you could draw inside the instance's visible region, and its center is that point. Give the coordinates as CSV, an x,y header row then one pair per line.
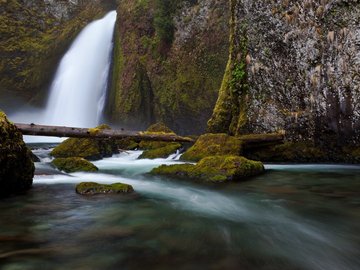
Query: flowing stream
x,y
292,217
78,91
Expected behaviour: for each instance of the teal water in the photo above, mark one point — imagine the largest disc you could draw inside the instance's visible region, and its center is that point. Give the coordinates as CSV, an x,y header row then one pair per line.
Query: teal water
x,y
292,217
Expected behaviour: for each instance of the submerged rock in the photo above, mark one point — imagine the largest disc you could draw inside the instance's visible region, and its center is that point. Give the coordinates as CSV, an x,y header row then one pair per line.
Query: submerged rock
x,y
16,166
91,149
214,169
213,145
92,188
74,164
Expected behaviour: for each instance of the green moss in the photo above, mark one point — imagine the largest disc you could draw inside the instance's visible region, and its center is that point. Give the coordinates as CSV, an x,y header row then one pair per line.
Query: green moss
x,y
214,169
304,151
182,78
91,149
127,144
32,43
16,165
230,112
159,127
211,145
91,188
162,152
74,164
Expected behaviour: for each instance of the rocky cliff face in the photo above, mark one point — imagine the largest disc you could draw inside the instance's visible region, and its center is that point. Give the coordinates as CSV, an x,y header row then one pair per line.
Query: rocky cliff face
x,y
34,36
169,60
293,66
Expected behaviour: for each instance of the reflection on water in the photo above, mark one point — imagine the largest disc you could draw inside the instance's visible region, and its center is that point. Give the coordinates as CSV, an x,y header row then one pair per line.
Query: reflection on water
x,y
292,217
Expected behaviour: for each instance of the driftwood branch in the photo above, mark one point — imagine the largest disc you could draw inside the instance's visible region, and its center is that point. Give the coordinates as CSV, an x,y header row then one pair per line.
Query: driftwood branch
x,y
59,131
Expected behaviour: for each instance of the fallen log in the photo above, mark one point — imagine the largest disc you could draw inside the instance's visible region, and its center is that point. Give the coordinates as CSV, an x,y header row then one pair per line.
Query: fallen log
x,y
60,131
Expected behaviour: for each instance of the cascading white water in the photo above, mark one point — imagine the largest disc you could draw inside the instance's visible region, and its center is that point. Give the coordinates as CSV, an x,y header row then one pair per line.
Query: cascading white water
x,y
78,91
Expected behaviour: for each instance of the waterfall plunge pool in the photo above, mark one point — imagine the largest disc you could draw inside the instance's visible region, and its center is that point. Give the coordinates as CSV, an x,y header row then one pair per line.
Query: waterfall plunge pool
x,y
292,217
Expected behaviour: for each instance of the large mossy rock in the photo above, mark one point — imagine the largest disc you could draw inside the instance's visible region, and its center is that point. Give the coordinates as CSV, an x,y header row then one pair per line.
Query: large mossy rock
x,y
92,188
212,145
158,149
213,169
16,165
91,149
74,164
162,152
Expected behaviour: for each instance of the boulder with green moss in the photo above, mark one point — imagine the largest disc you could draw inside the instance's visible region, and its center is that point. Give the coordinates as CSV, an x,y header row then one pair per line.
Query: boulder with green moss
x,y
213,169
158,149
88,148
74,164
92,188
212,145
16,165
162,152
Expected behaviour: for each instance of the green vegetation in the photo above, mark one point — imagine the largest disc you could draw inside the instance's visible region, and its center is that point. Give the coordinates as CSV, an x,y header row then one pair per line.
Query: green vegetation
x,y
213,169
74,164
32,42
156,77
211,145
16,165
92,188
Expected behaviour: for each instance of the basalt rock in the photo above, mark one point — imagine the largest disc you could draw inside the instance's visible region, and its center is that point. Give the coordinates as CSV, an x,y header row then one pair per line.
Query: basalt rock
x,y
293,66
16,165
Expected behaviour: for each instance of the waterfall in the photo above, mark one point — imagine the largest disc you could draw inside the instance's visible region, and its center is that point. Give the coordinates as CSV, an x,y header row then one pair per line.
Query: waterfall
x,y
78,90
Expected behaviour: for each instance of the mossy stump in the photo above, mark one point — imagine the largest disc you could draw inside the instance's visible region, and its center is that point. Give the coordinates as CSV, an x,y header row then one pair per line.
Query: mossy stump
x,y
74,164
213,144
92,188
16,165
213,169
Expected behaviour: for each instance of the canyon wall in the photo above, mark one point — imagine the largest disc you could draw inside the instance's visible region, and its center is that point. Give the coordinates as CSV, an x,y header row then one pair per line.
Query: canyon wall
x,y
293,66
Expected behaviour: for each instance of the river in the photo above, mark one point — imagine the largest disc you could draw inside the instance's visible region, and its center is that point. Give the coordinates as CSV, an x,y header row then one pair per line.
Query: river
x,y
291,217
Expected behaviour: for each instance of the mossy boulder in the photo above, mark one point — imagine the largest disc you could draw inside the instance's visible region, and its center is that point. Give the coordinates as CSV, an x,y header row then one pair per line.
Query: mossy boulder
x,y
158,149
213,169
162,152
88,148
92,188
159,127
16,165
127,144
212,145
74,164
